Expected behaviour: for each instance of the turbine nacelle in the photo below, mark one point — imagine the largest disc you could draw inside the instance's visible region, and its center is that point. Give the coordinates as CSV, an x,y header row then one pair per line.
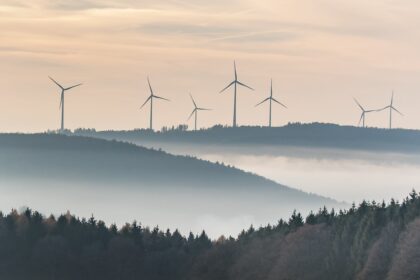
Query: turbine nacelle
x,y
195,111
271,99
152,95
61,106
235,82
364,112
150,98
391,109
391,106
63,89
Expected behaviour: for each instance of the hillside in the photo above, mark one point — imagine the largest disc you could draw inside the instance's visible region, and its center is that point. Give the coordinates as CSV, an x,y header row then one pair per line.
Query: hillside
x,y
369,242
99,176
315,135
57,157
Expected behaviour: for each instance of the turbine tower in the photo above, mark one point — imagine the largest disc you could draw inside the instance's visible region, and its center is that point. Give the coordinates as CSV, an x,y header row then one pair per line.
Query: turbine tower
x,y
150,98
195,112
270,99
63,90
235,83
364,112
391,108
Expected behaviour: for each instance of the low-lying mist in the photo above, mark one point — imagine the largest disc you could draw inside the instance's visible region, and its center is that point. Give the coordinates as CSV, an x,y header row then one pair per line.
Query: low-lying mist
x,y
218,212
118,182
343,174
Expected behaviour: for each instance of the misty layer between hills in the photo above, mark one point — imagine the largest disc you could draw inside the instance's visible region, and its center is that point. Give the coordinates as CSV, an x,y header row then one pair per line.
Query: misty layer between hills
x,y
315,135
343,162
98,176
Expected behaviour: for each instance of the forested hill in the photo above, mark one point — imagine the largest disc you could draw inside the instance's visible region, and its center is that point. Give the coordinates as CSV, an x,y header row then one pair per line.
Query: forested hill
x,y
61,157
369,242
308,135
101,177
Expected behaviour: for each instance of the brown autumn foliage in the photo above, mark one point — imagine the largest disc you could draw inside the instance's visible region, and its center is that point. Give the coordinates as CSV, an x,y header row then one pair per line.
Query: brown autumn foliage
x,y
302,254
257,258
297,255
380,255
406,263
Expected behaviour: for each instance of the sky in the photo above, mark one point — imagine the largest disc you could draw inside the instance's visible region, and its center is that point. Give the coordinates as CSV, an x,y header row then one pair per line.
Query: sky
x,y
320,54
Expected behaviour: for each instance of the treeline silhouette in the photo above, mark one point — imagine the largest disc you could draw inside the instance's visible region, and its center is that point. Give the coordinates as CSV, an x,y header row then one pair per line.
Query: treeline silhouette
x,y
315,135
370,241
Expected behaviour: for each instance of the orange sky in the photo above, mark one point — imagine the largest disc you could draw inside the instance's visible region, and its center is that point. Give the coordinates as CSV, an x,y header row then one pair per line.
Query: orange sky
x,y
319,53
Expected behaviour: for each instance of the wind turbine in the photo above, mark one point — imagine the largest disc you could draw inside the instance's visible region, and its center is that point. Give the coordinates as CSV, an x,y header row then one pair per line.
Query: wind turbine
x,y
150,98
391,108
63,90
235,83
271,99
364,112
195,111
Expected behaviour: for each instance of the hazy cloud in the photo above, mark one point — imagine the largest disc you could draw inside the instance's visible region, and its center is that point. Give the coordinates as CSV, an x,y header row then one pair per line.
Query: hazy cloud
x,y
216,33
32,51
263,37
78,5
66,5
12,3
173,28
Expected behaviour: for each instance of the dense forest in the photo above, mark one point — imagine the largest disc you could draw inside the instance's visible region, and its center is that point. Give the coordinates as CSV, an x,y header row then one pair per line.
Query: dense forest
x,y
368,241
313,135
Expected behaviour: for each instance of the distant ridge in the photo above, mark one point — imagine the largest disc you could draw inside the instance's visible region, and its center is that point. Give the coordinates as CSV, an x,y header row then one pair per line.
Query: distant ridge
x,y
317,135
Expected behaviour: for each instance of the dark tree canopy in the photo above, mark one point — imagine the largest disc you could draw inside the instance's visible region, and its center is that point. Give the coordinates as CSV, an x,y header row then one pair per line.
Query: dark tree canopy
x,y
368,241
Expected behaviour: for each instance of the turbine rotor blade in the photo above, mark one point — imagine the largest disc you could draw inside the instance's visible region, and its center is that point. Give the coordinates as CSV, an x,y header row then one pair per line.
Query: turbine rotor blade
x,y
239,83
272,98
271,91
370,111
268,98
150,86
357,102
192,113
361,118
56,82
158,97
147,100
73,86
393,108
227,86
392,98
236,73
380,110
192,99
203,109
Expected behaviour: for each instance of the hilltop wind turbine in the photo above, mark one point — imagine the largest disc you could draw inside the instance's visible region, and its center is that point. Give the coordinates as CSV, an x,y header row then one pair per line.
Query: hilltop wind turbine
x,y
364,112
195,112
150,98
391,108
235,83
271,99
63,90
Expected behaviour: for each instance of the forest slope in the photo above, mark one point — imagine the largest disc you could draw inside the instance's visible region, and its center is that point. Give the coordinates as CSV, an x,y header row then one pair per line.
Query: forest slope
x,y
372,241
